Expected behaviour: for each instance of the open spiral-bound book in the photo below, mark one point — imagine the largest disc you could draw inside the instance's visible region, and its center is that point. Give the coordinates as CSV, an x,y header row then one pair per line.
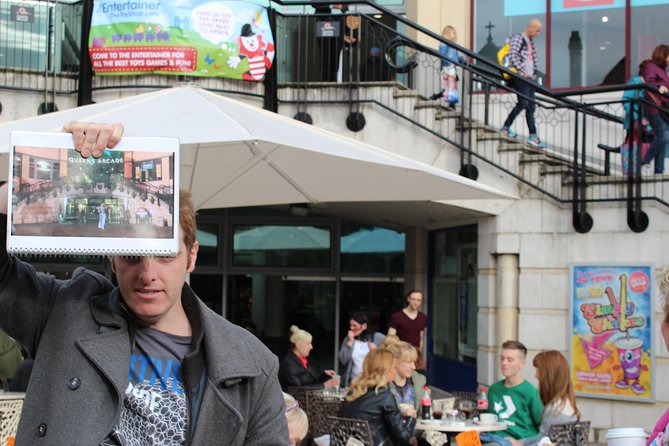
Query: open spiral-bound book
x,y
125,202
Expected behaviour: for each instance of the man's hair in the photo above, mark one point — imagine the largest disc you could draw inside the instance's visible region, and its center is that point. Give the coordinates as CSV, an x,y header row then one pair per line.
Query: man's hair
x,y
414,290
660,54
187,219
515,345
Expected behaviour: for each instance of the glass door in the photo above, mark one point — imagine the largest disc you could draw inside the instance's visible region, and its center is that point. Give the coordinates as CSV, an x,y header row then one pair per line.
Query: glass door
x,y
269,304
454,309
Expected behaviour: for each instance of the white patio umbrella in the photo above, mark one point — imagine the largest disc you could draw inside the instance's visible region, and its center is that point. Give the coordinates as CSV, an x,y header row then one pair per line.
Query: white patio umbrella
x,y
233,154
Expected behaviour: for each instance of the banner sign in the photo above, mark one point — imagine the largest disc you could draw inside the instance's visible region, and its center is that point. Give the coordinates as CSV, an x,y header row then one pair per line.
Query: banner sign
x,y
210,38
611,340
525,8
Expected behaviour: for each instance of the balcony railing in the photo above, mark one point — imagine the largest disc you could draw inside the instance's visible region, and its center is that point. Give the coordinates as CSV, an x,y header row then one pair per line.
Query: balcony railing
x,y
580,165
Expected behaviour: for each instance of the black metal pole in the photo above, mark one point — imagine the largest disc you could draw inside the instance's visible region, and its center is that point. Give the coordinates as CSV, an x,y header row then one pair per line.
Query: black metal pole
x,y
85,92
271,101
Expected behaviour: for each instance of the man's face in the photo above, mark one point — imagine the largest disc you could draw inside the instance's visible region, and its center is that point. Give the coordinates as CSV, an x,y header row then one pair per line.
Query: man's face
x,y
511,362
151,286
534,30
415,300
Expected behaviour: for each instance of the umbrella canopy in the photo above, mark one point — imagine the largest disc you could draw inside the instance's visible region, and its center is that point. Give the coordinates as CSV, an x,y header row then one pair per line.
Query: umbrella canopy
x,y
282,237
233,154
375,240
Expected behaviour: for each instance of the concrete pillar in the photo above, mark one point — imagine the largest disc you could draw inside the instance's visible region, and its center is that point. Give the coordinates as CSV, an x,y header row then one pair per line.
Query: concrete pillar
x,y
507,298
415,260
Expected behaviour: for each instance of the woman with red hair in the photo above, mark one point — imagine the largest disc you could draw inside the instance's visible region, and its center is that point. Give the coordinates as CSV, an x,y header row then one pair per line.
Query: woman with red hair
x,y
556,392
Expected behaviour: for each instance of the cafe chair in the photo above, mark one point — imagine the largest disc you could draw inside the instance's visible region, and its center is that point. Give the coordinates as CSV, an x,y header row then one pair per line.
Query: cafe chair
x,y
10,412
320,411
304,395
469,396
570,434
341,429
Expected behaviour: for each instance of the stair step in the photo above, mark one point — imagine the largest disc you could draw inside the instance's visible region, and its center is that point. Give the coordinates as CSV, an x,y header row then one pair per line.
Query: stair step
x,y
510,146
438,105
474,125
490,134
397,93
446,114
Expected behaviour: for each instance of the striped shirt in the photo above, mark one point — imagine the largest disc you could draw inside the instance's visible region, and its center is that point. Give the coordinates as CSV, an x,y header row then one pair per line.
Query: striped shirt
x,y
519,53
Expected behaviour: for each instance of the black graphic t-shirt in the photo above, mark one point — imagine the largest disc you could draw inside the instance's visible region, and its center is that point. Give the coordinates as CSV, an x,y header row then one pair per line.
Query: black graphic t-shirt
x,y
155,406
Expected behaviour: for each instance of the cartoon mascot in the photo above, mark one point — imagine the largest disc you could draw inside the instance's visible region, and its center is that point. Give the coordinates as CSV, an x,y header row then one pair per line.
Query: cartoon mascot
x,y
258,53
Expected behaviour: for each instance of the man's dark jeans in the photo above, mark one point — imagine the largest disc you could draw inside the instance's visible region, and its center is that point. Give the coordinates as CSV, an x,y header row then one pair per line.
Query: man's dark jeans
x,y
525,91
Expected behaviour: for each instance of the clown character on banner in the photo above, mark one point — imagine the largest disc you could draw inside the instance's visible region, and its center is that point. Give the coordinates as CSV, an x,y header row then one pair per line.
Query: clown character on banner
x,y
259,54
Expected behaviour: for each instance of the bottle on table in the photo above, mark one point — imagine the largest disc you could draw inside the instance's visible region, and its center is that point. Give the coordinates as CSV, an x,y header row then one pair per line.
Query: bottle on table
x,y
482,403
426,404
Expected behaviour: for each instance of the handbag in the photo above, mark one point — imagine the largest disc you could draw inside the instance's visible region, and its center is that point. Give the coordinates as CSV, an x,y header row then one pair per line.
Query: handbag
x,y
661,104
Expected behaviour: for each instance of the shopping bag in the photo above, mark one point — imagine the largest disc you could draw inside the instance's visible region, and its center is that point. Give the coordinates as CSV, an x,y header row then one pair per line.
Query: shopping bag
x,y
449,84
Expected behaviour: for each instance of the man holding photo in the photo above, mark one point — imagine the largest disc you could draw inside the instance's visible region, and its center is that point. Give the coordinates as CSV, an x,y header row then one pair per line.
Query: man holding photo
x,y
144,362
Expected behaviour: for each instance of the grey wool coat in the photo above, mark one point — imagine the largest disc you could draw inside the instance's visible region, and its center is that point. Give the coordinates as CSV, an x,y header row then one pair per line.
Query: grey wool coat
x,y
81,338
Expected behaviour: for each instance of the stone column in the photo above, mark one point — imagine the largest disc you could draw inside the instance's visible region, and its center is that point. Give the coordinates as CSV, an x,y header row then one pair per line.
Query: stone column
x,y
507,298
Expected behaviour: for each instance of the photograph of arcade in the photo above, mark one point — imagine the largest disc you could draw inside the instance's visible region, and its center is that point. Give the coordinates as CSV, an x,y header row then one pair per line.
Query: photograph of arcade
x,y
56,192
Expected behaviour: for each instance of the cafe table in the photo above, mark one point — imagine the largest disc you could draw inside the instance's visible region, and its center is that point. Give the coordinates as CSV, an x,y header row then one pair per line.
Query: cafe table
x,y
436,431
458,426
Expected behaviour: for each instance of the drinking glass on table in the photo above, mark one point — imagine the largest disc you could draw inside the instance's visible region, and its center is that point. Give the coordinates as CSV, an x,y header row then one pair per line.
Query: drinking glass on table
x,y
466,407
437,410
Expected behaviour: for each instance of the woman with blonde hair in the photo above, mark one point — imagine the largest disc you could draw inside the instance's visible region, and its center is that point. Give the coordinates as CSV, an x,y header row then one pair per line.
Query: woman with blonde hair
x,y
556,392
295,369
407,386
660,434
370,399
298,424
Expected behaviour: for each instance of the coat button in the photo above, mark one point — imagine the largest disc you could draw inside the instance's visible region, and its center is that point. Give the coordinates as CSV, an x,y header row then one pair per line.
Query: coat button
x,y
41,429
73,383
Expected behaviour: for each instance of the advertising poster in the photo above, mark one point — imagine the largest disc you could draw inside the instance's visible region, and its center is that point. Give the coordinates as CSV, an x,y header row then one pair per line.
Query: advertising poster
x,y
210,38
611,345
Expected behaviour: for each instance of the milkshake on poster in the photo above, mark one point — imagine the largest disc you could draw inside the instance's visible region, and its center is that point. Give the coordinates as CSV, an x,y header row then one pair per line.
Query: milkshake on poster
x,y
611,345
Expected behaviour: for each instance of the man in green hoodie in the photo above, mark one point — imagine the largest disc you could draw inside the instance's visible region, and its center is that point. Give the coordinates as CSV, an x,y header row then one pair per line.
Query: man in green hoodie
x,y
515,400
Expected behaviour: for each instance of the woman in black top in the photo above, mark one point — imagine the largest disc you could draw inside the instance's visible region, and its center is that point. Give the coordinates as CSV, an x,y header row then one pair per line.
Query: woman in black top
x,y
370,399
296,370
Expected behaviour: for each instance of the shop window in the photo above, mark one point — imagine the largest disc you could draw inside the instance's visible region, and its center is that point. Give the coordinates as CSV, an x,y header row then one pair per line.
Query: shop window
x,y
41,169
282,246
366,250
207,237
648,23
148,170
591,42
495,21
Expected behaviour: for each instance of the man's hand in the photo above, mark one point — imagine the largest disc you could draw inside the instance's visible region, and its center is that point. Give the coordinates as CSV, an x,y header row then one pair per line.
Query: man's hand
x,y
92,139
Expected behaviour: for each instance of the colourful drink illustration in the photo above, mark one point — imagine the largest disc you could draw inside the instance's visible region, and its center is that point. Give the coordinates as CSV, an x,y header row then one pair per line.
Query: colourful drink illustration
x,y
629,352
